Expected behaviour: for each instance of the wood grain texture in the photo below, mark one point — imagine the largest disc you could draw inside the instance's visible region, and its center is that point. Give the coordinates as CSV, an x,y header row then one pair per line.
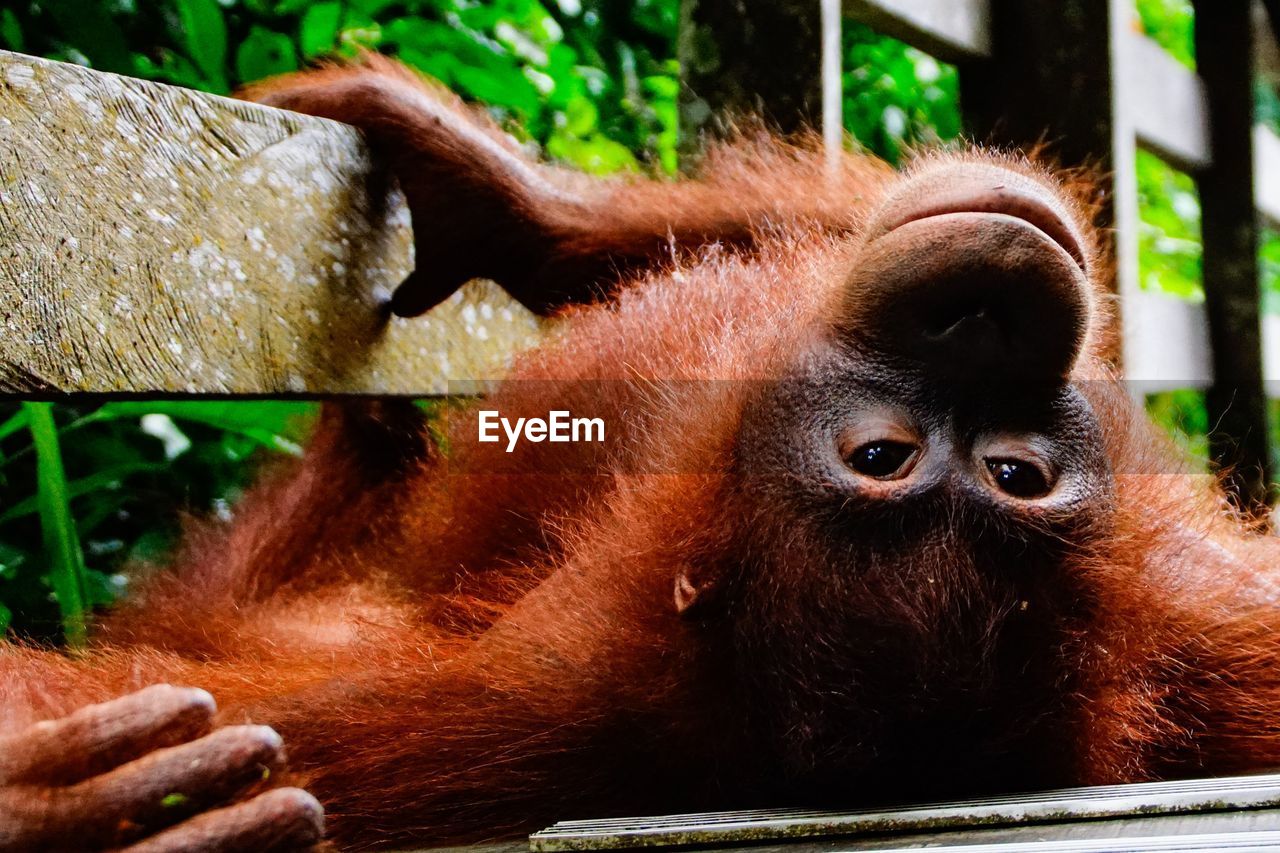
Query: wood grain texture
x,y
159,240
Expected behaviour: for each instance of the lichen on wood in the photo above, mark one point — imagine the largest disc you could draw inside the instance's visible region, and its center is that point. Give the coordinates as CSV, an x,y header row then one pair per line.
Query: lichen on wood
x,y
159,240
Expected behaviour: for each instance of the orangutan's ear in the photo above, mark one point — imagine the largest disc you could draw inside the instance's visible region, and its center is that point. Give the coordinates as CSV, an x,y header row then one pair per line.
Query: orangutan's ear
x,y
695,588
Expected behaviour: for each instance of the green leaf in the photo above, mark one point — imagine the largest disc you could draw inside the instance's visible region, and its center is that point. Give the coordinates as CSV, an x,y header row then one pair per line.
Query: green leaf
x,y
597,155
277,424
370,8
107,478
6,616
354,38
57,525
507,90
17,421
173,68
11,30
265,54
11,559
662,86
1171,24
580,117
466,46
100,589
88,26
318,32
204,34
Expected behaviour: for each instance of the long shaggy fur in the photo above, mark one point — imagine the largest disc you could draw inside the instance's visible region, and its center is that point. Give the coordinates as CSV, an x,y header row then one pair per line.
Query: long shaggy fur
x,y
469,646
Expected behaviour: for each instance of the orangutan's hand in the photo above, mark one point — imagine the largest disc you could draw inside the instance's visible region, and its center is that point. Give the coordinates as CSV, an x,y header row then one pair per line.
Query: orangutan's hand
x,y
148,773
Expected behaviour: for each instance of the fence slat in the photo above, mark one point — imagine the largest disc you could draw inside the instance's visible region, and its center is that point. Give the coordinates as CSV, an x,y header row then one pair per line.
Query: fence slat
x,y
951,30
1266,179
1166,343
1168,105
154,239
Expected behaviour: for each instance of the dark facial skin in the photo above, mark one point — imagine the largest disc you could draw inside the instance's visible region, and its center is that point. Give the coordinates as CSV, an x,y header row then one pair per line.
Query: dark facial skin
x,y
916,524
905,608
879,433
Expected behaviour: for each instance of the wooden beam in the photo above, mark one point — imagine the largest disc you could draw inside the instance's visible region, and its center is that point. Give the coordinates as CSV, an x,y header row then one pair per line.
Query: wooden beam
x,y
748,58
159,240
1273,17
1055,813
1040,47
1240,442
951,30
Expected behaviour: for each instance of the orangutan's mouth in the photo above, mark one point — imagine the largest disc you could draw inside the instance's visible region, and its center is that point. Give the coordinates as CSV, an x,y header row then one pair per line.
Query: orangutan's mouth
x,y
1007,201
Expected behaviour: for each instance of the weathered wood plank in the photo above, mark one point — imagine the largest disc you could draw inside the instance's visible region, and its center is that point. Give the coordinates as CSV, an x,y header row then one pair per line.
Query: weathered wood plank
x,y
1055,810
951,30
1168,103
158,240
1167,344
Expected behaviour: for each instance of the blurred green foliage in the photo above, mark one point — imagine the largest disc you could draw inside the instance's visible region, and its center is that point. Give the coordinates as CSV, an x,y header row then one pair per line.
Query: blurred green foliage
x,y
593,81
896,96
1185,417
1169,250
1183,414
1172,24
87,490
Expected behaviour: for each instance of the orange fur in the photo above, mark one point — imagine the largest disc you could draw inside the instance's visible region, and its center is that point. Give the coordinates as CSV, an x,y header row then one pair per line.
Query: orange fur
x,y
469,647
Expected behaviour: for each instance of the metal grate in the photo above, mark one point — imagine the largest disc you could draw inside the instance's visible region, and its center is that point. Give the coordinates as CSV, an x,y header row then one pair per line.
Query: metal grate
x,y
1076,804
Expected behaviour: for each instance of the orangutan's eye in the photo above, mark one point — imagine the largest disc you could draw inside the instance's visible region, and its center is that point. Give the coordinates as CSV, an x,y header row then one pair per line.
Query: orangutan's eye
x,y
1018,478
884,459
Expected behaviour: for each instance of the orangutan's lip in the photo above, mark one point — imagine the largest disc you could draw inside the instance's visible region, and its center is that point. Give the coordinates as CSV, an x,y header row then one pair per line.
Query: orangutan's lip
x,y
1002,200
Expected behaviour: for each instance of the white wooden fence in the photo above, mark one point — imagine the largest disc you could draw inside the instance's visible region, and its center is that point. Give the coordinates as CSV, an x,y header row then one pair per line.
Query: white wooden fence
x,y
1160,106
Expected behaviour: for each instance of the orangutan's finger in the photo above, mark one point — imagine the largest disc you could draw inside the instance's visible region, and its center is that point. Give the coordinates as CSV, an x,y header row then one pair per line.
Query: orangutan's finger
x,y
98,738
278,821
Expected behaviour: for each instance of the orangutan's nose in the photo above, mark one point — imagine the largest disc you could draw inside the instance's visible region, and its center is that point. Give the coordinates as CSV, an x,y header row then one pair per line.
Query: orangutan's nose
x,y
973,269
